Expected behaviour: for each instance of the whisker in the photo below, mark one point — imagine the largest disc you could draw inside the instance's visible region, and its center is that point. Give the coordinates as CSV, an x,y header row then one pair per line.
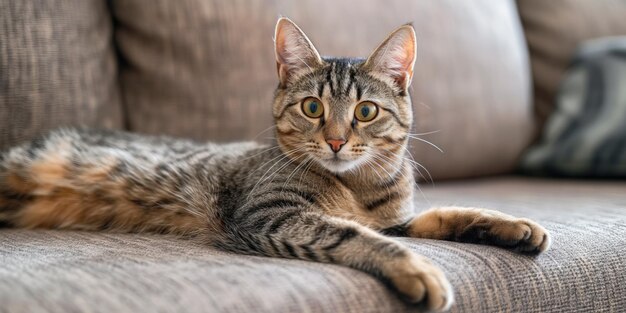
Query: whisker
x,y
425,105
369,163
282,167
272,159
428,142
306,170
426,133
381,178
404,174
414,163
261,152
282,157
430,177
264,131
273,175
308,158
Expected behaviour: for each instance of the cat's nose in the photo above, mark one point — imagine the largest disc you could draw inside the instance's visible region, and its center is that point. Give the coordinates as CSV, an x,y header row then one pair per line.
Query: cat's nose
x,y
336,144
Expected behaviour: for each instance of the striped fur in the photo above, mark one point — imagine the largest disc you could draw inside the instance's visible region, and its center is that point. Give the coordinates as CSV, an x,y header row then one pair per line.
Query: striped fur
x,y
295,199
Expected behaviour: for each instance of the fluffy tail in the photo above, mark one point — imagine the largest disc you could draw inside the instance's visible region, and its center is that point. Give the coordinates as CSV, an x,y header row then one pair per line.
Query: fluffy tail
x,y
62,181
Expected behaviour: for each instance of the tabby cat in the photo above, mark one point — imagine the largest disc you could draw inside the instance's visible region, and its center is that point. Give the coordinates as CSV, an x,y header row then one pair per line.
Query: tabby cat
x,y
336,181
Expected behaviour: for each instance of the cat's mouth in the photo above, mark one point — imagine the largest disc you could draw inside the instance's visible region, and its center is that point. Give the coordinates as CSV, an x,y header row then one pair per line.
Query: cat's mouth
x,y
337,164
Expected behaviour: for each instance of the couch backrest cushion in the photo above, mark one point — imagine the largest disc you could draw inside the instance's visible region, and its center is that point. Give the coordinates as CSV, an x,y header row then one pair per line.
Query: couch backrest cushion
x,y
57,67
205,69
554,29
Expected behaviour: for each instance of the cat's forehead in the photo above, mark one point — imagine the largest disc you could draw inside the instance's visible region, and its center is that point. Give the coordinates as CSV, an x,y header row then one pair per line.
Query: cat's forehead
x,y
342,78
343,62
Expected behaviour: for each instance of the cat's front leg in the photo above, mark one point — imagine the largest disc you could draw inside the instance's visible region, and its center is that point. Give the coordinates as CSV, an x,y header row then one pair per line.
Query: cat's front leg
x,y
290,233
476,225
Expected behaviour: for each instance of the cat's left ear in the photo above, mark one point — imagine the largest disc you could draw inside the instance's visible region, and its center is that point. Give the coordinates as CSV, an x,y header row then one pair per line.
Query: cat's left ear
x,y
395,57
294,51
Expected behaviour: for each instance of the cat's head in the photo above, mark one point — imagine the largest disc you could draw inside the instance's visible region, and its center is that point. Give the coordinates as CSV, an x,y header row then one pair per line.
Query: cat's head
x,y
343,113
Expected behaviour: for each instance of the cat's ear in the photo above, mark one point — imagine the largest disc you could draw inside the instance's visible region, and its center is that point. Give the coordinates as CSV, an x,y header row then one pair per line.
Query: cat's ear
x,y
395,57
294,51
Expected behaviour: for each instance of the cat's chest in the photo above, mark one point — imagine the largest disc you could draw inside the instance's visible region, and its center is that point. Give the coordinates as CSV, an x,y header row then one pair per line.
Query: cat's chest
x,y
373,208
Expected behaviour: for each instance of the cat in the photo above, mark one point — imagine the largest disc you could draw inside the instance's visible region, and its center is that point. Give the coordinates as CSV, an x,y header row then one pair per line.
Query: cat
x,y
335,187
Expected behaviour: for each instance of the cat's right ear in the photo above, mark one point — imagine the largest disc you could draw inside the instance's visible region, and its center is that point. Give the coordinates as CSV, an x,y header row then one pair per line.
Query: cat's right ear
x,y
294,51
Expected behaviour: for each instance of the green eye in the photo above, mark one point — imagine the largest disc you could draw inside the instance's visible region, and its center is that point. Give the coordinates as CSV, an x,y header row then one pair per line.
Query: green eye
x,y
312,107
366,111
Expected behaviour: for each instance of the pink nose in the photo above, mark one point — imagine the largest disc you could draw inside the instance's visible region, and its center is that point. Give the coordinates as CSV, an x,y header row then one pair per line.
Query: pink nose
x,y
335,144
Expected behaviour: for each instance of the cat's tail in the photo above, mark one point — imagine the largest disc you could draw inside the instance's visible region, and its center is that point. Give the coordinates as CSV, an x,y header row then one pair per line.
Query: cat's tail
x,y
62,181
14,193
26,176
6,199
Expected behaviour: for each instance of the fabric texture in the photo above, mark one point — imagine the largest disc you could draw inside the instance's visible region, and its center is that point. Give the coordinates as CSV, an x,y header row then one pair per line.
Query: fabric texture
x,y
554,29
55,271
57,67
206,70
586,134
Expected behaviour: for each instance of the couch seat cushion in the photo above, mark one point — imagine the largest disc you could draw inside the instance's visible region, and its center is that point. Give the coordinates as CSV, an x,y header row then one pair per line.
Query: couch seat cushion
x,y
59,271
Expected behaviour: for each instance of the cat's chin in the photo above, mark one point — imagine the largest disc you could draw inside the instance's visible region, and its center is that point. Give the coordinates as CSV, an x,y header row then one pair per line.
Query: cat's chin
x,y
338,166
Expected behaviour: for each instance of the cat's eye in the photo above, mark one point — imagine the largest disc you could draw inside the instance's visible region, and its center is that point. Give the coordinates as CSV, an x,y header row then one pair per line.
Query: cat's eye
x,y
366,111
312,107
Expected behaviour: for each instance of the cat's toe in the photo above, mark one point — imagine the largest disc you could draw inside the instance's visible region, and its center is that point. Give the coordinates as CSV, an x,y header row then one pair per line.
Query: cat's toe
x,y
518,234
421,282
522,235
538,240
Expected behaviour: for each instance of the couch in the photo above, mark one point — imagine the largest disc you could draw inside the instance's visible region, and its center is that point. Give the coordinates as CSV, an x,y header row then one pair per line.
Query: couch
x,y
485,80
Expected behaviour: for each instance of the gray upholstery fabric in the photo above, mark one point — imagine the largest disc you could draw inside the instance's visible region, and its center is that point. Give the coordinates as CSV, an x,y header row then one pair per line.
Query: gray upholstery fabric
x,y
94,272
57,67
586,134
205,69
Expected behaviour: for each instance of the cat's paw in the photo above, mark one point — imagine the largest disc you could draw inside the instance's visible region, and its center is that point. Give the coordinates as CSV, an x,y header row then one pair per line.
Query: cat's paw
x,y
519,234
418,281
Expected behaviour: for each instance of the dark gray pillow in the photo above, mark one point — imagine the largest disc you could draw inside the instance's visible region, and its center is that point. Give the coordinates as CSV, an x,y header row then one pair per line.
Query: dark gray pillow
x,y
586,135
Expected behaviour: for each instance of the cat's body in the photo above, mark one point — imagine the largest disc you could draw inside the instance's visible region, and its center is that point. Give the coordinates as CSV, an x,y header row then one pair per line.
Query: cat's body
x,y
336,180
109,180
